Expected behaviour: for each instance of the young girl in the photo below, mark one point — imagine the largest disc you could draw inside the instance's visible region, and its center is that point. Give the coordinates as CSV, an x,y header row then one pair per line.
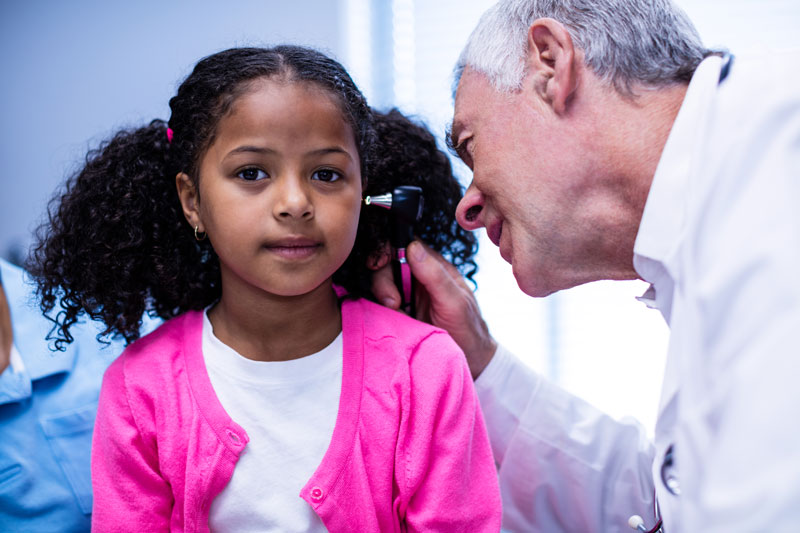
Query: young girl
x,y
272,378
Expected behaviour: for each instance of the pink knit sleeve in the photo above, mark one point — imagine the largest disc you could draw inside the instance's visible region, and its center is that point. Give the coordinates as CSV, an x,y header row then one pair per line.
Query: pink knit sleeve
x,y
450,472
129,492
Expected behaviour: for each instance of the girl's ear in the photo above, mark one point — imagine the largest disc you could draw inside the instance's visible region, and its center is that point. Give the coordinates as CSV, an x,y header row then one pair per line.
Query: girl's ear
x,y
190,201
379,258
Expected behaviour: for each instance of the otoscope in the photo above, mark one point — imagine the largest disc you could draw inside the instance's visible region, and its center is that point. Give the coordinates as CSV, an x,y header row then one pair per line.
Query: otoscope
x,y
405,205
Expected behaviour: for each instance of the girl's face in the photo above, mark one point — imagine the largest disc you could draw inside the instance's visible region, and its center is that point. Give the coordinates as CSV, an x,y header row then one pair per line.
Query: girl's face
x,y
279,189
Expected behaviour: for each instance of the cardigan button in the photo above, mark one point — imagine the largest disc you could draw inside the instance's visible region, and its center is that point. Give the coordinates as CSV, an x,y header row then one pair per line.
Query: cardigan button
x,y
234,437
317,494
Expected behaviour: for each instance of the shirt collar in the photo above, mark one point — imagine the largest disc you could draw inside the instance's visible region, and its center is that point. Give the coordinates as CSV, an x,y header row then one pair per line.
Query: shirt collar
x,y
665,213
30,328
664,217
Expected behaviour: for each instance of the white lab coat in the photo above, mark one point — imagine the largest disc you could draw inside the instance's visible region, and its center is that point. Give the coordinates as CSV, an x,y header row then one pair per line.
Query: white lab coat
x,y
720,242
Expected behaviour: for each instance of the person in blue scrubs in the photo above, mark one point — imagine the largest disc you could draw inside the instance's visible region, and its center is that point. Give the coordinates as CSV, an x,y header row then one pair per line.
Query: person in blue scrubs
x,y
48,401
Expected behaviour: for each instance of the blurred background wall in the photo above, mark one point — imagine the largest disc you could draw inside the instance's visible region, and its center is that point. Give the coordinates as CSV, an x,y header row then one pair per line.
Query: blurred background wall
x,y
75,71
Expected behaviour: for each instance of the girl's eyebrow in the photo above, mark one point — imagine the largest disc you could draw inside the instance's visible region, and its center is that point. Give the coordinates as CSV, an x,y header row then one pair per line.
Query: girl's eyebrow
x,y
248,148
330,150
265,150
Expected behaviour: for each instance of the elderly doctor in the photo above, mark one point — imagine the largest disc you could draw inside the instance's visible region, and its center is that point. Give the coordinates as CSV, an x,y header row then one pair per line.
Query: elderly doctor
x,y
607,143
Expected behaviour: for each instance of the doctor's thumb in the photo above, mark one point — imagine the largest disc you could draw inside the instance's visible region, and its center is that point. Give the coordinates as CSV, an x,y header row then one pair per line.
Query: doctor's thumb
x,y
429,267
450,304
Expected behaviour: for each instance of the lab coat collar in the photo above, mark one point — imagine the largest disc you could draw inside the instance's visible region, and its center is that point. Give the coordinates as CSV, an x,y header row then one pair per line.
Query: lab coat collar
x,y
664,219
30,328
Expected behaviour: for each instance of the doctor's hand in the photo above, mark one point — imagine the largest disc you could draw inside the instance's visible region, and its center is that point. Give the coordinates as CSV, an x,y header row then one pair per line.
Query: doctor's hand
x,y
444,300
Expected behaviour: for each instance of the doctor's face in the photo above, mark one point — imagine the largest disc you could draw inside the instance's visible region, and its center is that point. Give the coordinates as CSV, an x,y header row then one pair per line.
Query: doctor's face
x,y
531,187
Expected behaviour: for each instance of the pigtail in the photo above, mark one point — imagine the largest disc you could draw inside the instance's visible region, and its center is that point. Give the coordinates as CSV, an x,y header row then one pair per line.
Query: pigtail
x,y
117,245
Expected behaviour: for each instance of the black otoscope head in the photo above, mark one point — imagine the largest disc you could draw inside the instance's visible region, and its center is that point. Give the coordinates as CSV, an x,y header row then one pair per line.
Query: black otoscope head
x,y
405,204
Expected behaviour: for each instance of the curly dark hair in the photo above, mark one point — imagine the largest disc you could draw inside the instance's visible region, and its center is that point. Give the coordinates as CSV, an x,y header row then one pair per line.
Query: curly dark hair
x,y
117,246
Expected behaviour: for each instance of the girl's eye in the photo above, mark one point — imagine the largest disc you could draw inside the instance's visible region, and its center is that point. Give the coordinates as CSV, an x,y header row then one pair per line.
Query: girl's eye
x,y
326,174
252,174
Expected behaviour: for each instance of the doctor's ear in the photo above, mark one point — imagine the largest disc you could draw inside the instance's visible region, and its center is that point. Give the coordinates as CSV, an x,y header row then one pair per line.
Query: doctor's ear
x,y
551,63
190,199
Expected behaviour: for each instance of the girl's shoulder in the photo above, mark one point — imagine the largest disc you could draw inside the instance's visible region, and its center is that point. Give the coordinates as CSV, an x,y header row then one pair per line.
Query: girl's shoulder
x,y
392,335
404,359
159,354
381,322
170,333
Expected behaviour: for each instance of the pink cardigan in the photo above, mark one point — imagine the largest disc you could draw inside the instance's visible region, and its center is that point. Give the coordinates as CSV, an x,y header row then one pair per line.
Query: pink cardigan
x,y
409,450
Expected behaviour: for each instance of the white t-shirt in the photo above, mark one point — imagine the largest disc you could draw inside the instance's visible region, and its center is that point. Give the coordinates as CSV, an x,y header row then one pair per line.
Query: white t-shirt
x,y
288,410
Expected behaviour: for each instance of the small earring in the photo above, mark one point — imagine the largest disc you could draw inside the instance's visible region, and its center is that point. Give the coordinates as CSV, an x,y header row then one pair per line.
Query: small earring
x,y
199,235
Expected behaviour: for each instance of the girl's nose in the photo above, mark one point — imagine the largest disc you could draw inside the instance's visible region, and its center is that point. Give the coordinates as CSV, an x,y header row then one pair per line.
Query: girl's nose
x,y
293,200
469,210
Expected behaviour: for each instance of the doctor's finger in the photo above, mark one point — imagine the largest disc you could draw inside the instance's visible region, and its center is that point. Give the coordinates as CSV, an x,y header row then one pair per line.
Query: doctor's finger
x,y
427,272
383,287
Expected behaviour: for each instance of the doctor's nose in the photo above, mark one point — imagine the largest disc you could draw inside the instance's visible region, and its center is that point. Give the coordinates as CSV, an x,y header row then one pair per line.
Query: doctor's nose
x,y
469,209
292,201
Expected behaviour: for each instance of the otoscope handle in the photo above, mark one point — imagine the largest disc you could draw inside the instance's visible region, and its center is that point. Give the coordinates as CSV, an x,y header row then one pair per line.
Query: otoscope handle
x,y
404,281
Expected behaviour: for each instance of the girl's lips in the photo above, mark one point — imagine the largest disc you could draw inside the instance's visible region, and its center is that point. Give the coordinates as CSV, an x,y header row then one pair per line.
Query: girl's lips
x,y
294,248
294,252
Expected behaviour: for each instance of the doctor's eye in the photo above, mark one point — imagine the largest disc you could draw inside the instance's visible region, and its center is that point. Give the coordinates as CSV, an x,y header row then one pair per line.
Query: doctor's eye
x,y
327,175
252,174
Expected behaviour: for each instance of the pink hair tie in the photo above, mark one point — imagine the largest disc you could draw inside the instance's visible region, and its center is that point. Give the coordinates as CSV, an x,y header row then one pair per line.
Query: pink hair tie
x,y
169,135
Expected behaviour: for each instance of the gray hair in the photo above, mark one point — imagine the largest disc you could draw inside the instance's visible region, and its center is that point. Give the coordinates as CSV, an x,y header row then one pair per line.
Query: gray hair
x,y
627,43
